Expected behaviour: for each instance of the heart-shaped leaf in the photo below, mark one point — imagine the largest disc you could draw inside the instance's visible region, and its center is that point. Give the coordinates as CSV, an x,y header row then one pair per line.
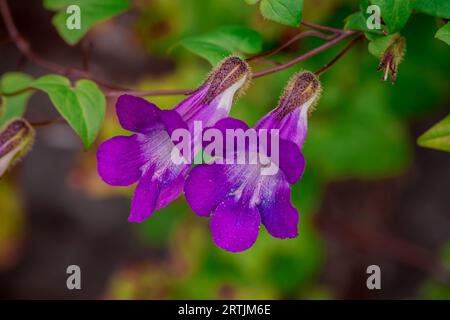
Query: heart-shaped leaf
x,y
83,106
438,137
90,13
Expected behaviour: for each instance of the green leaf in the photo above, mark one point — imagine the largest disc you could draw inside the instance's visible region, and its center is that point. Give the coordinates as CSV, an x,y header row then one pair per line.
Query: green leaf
x,y
444,33
395,13
92,13
220,43
438,137
14,106
83,106
363,136
251,2
435,8
357,21
288,12
378,46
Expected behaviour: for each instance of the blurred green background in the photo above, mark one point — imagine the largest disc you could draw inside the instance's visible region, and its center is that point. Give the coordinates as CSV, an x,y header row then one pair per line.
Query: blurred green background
x,y
369,195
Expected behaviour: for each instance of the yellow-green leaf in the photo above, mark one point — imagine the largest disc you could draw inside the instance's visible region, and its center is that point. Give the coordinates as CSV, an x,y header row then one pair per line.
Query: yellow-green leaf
x,y
438,137
83,106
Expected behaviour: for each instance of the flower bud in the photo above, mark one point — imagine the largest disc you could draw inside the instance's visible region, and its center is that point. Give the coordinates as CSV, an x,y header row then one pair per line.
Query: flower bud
x,y
392,57
232,72
302,91
291,115
16,139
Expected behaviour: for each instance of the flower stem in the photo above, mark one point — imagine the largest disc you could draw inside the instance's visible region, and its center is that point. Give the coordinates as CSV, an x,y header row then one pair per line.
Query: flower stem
x,y
339,55
304,56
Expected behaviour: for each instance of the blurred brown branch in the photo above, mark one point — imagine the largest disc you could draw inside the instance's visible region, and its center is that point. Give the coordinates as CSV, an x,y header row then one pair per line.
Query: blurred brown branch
x,y
375,241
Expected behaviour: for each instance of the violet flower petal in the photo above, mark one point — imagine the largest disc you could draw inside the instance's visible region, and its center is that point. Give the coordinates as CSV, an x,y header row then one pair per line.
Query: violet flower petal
x,y
144,199
137,114
171,191
119,160
277,213
234,226
292,161
206,187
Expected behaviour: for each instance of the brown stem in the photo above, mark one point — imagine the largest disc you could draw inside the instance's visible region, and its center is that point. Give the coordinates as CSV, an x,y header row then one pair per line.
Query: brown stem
x,y
324,28
339,55
301,35
304,56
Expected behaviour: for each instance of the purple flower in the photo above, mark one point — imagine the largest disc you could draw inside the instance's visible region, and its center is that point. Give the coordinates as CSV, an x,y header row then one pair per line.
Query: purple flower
x,y
239,197
145,156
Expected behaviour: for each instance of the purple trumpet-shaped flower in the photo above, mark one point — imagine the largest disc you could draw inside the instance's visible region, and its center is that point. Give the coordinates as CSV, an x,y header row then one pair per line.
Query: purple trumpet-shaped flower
x,y
146,156
239,197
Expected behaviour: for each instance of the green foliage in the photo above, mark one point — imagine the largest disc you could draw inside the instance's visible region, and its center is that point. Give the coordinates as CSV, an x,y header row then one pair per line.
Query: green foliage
x,y
438,137
362,135
356,21
83,106
287,12
395,13
431,81
436,8
14,106
444,33
378,46
221,42
92,13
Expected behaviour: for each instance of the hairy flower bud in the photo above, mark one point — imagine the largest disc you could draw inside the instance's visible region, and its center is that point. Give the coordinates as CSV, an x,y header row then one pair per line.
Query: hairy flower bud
x,y
16,139
302,91
291,115
392,57
232,72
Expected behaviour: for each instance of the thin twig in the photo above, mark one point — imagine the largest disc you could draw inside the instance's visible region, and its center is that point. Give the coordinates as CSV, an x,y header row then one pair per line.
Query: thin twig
x,y
304,56
324,28
339,55
301,35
